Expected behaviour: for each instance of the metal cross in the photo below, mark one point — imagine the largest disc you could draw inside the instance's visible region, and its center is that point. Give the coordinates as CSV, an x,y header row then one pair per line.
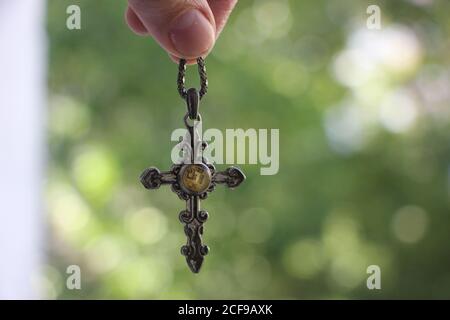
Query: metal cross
x,y
192,182
194,178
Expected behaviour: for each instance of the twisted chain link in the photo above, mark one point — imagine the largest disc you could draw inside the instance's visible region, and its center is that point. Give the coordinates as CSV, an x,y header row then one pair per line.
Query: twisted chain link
x,y
201,72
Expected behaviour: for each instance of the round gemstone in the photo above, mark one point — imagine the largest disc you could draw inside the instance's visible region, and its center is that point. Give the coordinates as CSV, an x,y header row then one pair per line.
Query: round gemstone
x,y
195,178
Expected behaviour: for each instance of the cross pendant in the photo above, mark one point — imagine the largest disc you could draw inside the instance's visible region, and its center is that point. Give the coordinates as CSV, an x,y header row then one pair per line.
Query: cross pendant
x,y
192,183
192,180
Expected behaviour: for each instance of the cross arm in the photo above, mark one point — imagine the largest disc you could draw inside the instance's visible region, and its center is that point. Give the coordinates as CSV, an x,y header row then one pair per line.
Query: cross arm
x,y
231,177
152,178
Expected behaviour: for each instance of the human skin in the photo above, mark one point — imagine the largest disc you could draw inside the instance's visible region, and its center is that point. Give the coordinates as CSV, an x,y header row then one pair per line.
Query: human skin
x,y
185,29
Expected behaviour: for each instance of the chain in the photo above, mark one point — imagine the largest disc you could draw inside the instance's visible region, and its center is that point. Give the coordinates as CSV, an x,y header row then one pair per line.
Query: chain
x,y
201,72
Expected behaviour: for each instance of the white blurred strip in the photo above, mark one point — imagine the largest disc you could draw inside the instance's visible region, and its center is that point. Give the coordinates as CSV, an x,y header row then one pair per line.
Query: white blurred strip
x,y
22,114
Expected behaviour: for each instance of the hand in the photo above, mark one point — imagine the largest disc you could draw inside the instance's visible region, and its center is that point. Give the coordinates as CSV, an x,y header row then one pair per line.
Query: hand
x,y
184,28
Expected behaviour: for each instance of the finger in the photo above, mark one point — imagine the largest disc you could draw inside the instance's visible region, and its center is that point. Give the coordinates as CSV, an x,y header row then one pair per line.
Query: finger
x,y
221,10
177,60
184,28
135,23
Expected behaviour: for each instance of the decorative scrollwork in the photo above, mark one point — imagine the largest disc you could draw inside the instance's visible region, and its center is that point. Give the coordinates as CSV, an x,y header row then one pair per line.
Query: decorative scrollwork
x,y
202,216
235,177
151,178
194,250
180,192
186,216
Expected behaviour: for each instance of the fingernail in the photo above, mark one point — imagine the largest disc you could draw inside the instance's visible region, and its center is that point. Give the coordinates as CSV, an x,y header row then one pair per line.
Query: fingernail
x,y
192,34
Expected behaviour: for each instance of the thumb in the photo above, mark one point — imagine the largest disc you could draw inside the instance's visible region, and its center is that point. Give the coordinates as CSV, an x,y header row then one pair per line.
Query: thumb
x,y
184,28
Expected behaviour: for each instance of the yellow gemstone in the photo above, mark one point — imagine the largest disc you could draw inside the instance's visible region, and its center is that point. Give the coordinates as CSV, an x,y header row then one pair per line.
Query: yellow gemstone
x,y
195,178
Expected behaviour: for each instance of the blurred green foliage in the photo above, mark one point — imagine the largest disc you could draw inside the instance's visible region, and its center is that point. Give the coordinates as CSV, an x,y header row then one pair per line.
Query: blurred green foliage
x,y
364,154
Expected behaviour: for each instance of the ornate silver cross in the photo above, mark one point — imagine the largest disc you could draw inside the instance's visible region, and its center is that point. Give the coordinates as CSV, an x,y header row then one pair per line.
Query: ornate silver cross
x,y
194,178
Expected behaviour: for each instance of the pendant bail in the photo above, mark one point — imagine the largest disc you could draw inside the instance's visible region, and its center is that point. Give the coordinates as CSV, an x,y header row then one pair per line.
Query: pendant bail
x,y
193,103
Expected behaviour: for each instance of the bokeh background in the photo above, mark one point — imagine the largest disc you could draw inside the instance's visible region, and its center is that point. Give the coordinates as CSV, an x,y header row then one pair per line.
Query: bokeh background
x,y
364,119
